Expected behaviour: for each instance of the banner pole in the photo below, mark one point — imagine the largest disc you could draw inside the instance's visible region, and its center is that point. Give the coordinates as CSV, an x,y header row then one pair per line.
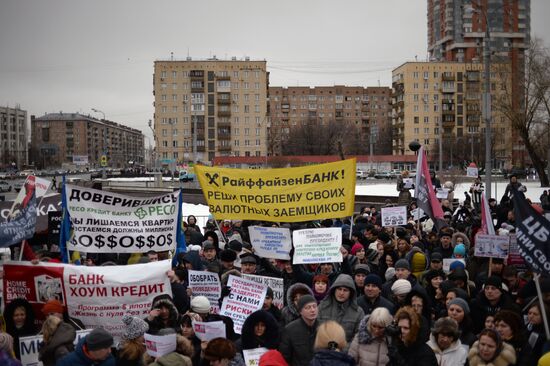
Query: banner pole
x,y
221,232
351,227
542,308
490,265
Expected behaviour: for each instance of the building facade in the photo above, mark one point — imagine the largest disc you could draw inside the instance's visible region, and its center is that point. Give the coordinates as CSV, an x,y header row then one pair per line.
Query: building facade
x,y
227,101
14,137
64,138
442,101
368,109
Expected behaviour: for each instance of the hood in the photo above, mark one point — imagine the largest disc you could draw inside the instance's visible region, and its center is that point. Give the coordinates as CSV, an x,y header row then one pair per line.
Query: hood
x,y
65,334
343,280
166,300
291,292
464,237
194,258
28,327
269,340
225,276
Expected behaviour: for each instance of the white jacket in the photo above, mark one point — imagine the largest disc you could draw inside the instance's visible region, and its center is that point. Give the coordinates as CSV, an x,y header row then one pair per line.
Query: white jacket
x,y
455,355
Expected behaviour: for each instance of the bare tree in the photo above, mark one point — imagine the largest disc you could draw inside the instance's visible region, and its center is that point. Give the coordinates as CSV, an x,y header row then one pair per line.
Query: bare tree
x,y
525,102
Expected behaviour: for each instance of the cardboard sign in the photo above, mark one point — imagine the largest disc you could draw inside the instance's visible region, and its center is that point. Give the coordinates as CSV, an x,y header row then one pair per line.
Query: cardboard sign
x,y
30,346
394,216
252,356
442,193
408,183
204,283
417,214
492,246
317,245
448,261
275,283
158,346
472,172
206,331
270,242
246,297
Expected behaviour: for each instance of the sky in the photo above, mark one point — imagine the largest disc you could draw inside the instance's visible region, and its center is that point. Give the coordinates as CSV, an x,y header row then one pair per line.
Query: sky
x,y
75,55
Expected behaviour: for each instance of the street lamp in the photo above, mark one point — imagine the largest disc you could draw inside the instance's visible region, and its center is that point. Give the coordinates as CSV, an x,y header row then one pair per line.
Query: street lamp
x,y
150,124
104,173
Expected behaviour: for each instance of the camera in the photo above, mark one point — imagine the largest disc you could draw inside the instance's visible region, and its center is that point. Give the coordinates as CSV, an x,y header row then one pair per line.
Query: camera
x,y
393,330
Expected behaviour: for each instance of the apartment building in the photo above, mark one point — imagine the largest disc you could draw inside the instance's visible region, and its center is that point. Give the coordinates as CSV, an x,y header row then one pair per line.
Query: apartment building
x,y
61,138
435,101
208,108
366,108
13,137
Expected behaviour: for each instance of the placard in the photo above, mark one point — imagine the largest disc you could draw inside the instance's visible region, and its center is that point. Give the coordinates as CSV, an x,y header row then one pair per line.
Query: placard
x,y
394,216
442,193
158,346
317,245
408,183
252,356
492,246
206,331
472,172
246,297
514,256
204,283
275,283
271,242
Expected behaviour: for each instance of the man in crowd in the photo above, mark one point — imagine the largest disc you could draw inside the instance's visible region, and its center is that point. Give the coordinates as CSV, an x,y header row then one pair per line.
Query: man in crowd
x,y
92,350
298,336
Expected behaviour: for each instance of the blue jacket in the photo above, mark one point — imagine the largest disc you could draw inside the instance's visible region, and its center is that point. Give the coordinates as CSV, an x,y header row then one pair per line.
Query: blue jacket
x,y
78,358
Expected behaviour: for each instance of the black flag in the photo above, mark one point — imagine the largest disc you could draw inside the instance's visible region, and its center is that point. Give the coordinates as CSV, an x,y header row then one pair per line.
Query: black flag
x,y
533,234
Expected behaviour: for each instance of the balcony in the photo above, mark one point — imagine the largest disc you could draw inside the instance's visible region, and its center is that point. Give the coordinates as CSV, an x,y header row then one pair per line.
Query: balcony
x,y
448,112
473,76
197,89
223,101
222,123
472,96
447,89
224,148
224,135
447,76
399,124
448,124
224,113
196,74
223,77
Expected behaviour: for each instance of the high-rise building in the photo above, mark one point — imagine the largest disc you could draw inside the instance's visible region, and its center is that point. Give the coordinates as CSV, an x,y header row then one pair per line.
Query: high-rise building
x,y
13,137
366,108
208,108
456,29
441,101
65,138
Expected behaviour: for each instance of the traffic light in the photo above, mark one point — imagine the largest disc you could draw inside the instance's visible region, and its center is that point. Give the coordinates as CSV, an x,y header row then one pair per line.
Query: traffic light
x,y
103,160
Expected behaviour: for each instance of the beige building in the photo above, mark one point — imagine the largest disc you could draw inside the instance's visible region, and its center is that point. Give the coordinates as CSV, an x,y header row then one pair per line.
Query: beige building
x,y
366,108
443,100
73,138
226,100
13,137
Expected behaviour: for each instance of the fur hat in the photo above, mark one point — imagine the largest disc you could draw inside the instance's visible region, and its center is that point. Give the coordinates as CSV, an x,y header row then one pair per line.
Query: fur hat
x,y
401,287
200,304
219,349
98,339
462,303
446,326
304,300
228,255
134,327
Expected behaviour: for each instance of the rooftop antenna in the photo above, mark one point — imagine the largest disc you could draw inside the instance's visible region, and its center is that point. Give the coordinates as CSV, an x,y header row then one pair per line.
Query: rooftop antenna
x,y
187,52
171,56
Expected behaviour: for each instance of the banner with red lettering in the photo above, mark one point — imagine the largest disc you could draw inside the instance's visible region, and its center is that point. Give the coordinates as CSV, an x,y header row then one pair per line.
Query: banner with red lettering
x,y
97,296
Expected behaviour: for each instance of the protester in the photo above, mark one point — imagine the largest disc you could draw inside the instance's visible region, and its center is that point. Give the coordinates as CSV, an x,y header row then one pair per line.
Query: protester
x,y
163,314
92,350
6,351
58,338
260,329
370,345
132,347
445,343
330,343
298,336
491,350
220,352
19,318
459,311
372,297
290,312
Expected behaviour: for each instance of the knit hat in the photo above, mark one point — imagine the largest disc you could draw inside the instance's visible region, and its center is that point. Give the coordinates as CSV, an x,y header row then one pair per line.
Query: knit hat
x,y
373,279
200,304
437,257
272,358
455,265
228,255
418,262
371,254
6,343
390,272
494,281
248,258
207,245
135,327
460,249
218,349
462,303
356,247
361,268
446,326
52,306
98,339
320,278
235,245
304,300
402,263
401,287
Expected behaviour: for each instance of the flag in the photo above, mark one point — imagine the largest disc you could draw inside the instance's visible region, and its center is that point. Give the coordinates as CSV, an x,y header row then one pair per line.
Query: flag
x,y
180,237
20,227
65,234
424,192
532,233
487,226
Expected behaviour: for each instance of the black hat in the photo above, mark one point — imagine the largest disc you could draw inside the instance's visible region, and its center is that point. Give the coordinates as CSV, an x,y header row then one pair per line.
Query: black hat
x,y
433,273
436,256
373,279
235,245
228,255
98,339
304,300
269,292
383,237
402,263
362,268
207,245
445,233
494,281
248,258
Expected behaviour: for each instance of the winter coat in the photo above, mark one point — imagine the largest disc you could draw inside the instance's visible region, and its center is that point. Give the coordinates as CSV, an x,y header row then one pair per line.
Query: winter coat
x,y
78,358
297,342
506,356
172,359
455,355
465,240
418,353
348,314
7,360
59,346
366,350
157,324
368,306
289,312
326,357
271,337
480,308
28,329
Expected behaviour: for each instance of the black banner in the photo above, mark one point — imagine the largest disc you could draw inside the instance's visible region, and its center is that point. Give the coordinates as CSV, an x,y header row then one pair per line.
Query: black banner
x,y
533,234
46,204
54,226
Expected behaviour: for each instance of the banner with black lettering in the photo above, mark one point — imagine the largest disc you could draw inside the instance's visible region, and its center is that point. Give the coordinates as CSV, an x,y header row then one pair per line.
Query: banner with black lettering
x,y
106,222
97,296
532,234
288,194
45,205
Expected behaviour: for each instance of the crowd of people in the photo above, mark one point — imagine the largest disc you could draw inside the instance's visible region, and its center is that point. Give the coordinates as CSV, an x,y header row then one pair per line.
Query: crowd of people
x,y
389,302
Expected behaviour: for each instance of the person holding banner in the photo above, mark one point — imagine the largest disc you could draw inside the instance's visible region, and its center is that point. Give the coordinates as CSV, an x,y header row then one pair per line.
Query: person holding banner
x,y
19,318
58,340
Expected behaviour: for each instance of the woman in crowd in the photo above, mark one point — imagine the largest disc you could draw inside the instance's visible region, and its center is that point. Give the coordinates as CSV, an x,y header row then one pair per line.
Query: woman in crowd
x,y
132,347
459,310
58,340
189,333
491,350
370,345
6,351
433,279
509,326
221,352
329,346
535,328
445,343
260,329
19,319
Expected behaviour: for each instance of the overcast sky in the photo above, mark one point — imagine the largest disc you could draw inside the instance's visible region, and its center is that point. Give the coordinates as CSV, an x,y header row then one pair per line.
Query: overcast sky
x,y
74,55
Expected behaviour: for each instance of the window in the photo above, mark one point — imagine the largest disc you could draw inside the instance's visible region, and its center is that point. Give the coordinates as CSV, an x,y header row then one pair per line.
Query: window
x,y
163,74
247,131
164,109
174,97
257,108
246,85
257,86
426,119
174,74
174,86
246,74
174,109
258,120
257,74
257,142
246,109
223,84
235,74
416,119
236,142
236,131
163,97
246,97
257,132
257,97
416,130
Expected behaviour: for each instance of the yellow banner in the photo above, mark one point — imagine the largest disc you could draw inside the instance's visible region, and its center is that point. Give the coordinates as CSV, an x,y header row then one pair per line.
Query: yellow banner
x,y
306,193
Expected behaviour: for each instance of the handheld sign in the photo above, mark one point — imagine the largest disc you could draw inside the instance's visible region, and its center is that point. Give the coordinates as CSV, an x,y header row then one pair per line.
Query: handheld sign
x,y
317,245
394,216
492,246
269,242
